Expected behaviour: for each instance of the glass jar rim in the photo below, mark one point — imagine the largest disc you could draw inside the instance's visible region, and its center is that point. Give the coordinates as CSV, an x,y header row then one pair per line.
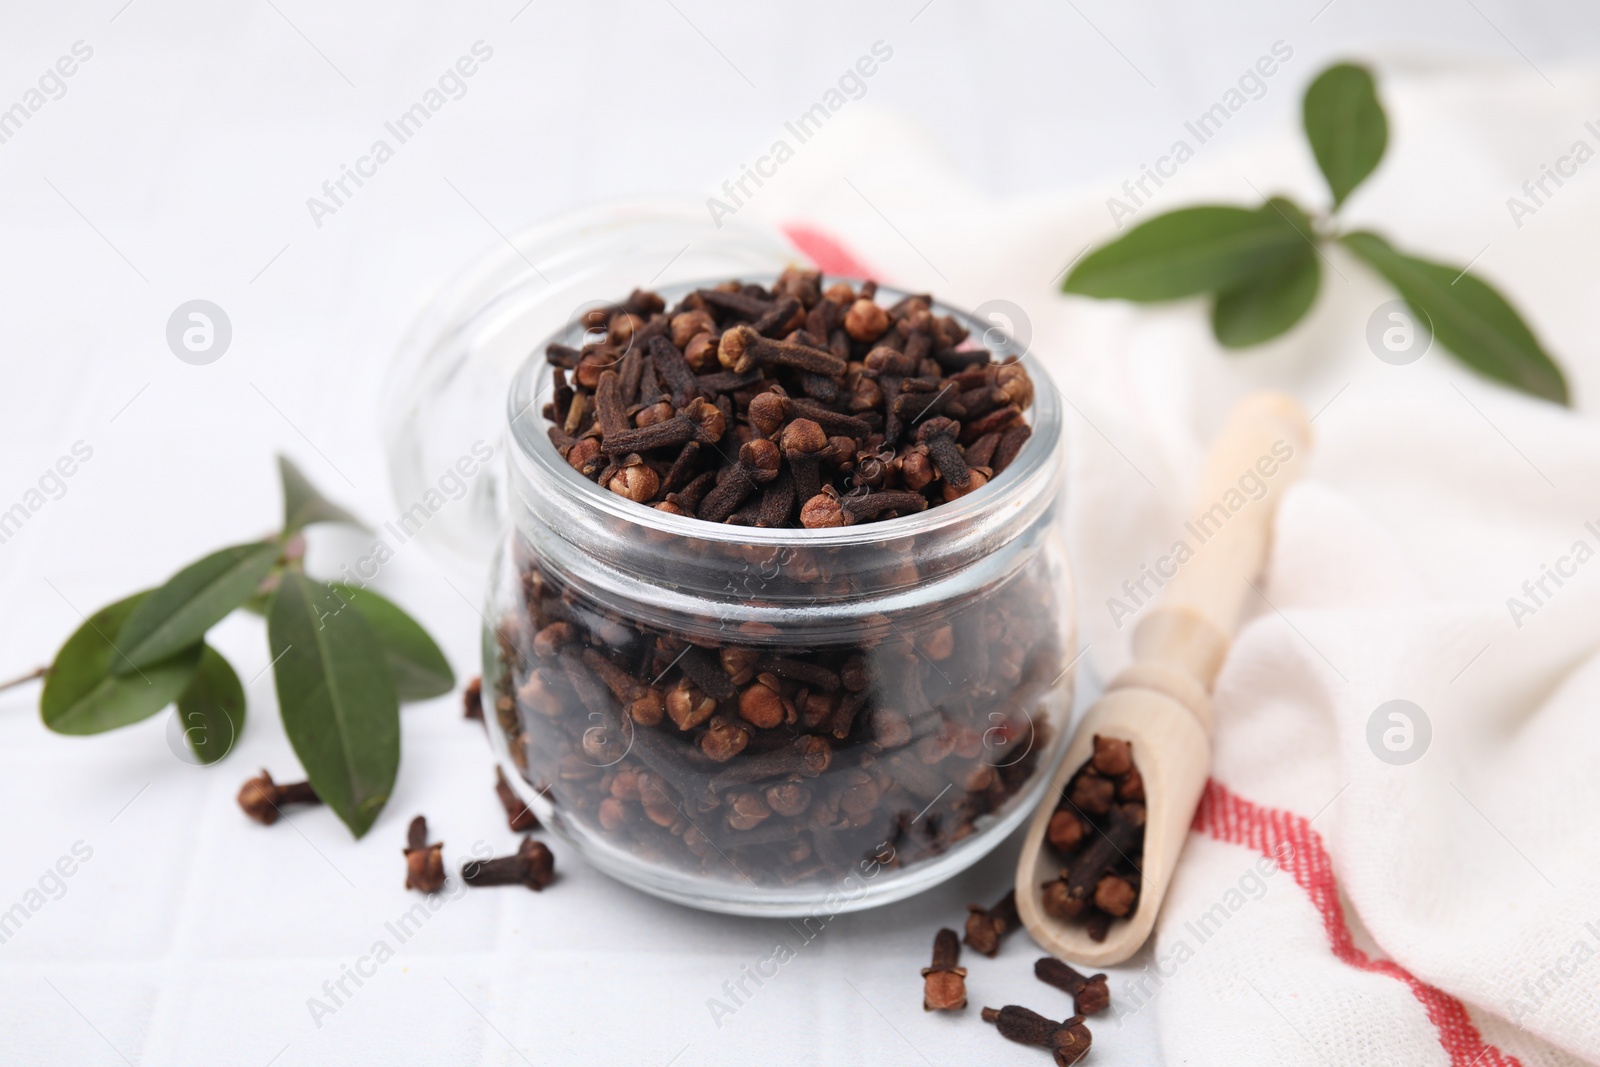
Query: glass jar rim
x,y
528,428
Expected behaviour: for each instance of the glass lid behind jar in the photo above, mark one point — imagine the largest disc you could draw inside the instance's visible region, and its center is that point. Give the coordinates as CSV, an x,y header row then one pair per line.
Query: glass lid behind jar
x,y
446,390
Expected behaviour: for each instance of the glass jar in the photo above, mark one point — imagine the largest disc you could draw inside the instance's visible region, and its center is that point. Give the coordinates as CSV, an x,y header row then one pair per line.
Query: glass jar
x,y
917,668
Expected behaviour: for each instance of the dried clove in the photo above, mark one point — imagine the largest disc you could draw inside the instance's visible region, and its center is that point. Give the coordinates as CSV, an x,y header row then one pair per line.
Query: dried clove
x,y
758,463
1068,1041
1010,444
781,313
987,926
1089,993
424,862
263,799
1065,831
1112,757
723,739
736,301
634,479
1115,896
803,443
608,410
519,816
531,865
939,436
869,506
944,985
698,421
742,349
828,508
1112,847
865,321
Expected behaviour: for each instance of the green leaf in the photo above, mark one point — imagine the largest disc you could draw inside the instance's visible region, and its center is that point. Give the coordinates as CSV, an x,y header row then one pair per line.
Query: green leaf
x,y
211,709
1346,127
81,694
304,505
337,698
1194,250
177,614
1468,317
416,664
1268,304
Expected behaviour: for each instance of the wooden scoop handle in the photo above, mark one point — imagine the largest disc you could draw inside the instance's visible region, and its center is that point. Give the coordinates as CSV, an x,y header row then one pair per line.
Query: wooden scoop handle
x,y
1259,452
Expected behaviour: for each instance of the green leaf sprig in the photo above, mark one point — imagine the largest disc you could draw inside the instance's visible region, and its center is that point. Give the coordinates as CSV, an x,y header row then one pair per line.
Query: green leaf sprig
x,y
1261,267
344,658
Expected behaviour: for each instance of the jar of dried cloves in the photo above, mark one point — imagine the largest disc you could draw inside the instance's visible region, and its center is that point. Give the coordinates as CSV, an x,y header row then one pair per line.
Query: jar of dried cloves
x,y
779,673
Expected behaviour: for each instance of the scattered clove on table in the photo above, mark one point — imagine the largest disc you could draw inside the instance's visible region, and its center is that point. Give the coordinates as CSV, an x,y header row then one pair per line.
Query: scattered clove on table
x,y
424,862
986,927
263,799
531,865
1068,1041
1089,993
944,984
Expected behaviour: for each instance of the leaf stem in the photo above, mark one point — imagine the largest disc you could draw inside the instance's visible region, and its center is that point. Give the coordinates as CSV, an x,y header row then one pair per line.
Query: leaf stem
x,y
36,673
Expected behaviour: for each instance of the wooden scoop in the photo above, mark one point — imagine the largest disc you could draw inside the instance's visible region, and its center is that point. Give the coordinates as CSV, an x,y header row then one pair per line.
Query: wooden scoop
x,y
1161,703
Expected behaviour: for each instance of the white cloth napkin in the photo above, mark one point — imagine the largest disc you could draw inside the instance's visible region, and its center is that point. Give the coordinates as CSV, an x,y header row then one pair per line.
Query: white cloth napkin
x,y
1334,905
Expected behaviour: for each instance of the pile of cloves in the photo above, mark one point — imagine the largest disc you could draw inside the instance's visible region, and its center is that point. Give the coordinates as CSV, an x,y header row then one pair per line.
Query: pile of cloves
x,y
1098,832
776,762
800,405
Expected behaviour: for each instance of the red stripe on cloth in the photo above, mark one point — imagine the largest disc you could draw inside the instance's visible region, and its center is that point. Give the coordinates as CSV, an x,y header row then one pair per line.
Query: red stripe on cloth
x,y
1272,832
830,256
